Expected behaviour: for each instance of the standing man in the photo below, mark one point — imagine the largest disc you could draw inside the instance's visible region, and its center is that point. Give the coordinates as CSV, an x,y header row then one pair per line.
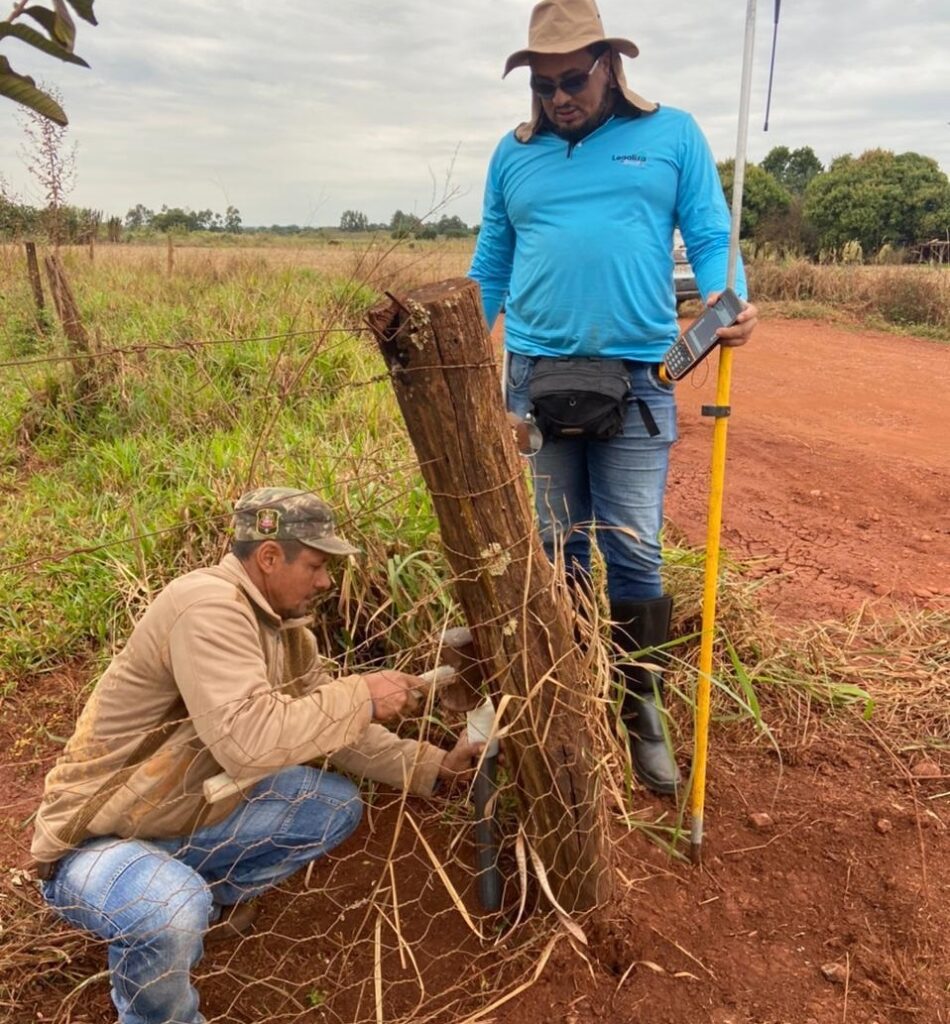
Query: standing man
x,y
576,240
221,672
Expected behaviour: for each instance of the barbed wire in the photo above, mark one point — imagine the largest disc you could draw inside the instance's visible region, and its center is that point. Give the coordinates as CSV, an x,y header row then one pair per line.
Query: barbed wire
x,y
86,549
53,558
193,343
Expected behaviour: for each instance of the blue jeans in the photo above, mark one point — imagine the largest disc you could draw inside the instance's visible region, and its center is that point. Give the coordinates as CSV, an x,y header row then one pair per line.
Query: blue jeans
x,y
153,900
614,486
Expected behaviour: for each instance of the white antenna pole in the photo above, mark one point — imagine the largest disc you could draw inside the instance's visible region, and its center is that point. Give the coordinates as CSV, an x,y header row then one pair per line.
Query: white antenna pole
x,y
738,180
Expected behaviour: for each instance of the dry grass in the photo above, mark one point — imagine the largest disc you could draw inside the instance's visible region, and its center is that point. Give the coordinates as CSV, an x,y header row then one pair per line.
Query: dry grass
x,y
901,663
380,263
908,296
369,912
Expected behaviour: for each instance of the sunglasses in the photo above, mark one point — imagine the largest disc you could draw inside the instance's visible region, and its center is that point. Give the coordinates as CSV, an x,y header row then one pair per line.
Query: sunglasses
x,y
571,84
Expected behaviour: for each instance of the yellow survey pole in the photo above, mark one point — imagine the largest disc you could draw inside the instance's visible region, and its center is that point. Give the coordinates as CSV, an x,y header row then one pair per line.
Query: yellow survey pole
x,y
710,588
720,411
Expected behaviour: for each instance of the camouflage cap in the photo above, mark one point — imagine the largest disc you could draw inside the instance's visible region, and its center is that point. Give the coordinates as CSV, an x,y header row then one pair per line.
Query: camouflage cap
x,y
285,513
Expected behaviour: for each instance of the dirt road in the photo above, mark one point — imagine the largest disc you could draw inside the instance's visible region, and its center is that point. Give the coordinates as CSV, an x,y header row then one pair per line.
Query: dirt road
x,y
838,470
837,494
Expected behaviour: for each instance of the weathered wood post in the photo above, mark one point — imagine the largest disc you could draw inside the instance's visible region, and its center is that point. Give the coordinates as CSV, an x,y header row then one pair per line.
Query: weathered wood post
x,y
33,269
86,375
445,376
66,307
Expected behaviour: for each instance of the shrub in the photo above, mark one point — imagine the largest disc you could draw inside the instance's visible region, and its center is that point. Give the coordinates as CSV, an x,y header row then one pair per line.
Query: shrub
x,y
852,252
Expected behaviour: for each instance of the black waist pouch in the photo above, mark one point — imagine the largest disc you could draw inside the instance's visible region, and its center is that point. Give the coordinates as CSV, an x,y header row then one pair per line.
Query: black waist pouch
x,y
579,397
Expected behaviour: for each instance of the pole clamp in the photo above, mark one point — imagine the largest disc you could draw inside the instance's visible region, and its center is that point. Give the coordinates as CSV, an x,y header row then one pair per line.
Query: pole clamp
x,y
718,412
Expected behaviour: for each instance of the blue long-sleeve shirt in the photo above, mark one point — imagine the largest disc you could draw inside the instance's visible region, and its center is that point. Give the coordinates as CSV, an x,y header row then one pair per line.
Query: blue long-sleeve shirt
x,y
577,240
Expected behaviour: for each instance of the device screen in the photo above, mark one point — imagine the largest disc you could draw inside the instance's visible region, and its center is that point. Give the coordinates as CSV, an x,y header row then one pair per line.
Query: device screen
x,y
694,343
725,314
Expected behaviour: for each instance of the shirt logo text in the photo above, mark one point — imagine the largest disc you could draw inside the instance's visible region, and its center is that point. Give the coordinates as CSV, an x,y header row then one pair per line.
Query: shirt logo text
x,y
634,159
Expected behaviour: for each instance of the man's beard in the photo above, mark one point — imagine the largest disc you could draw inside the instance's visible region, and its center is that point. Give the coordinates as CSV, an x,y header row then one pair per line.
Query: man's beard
x,y
591,124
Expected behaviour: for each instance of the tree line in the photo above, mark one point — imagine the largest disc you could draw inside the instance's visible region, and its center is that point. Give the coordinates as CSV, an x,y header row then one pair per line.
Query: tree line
x,y
65,224
60,225
408,225
178,218
876,205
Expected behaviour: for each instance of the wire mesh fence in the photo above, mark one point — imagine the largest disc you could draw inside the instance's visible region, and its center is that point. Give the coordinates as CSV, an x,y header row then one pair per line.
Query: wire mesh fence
x,y
132,477
386,926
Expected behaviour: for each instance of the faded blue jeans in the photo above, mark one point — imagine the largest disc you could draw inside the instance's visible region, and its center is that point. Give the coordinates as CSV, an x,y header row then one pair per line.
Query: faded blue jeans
x,y
615,486
153,900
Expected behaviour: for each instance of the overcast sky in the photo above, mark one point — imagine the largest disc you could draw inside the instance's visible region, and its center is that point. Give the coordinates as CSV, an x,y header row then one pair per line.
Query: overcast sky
x,y
295,110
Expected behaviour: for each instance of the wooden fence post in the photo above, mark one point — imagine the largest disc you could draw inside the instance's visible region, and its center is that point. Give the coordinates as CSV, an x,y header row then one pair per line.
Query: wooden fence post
x,y
446,380
85,373
66,307
33,269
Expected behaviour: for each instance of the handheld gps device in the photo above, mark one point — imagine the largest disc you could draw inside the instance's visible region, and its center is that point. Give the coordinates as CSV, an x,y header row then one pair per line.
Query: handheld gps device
x,y
699,339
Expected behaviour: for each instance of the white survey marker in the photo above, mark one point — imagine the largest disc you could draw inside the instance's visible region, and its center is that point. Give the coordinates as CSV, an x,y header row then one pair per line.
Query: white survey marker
x,y
480,726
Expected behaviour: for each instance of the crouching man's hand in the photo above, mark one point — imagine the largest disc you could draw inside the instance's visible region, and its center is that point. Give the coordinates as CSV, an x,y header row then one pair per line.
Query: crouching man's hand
x,y
458,762
393,693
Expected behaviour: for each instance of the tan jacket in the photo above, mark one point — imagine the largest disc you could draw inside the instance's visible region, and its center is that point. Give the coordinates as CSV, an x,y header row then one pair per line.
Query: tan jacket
x,y
211,679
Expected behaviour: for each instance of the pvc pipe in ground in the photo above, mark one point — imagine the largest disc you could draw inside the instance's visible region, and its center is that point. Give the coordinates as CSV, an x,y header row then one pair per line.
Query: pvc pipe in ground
x,y
480,725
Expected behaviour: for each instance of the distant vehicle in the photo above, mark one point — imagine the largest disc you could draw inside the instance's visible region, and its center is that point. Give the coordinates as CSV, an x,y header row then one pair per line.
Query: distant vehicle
x,y
684,281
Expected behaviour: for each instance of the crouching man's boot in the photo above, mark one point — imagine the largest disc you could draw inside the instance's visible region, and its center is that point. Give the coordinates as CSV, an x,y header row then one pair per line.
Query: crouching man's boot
x,y
638,625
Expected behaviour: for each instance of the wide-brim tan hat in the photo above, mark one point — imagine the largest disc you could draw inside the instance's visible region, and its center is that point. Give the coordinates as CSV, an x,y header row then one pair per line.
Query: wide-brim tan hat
x,y
563,26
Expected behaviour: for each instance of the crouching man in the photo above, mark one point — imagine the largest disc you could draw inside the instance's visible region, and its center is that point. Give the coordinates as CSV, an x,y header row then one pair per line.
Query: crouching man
x,y
220,674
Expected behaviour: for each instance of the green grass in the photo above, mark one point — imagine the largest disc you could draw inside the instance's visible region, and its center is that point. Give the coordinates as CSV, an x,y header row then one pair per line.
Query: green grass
x,y
138,475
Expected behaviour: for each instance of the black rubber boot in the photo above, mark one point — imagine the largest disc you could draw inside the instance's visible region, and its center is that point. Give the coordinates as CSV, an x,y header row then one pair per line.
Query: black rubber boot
x,y
638,625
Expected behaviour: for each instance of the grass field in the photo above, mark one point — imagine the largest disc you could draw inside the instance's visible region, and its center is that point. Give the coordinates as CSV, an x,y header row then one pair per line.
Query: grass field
x,y
266,376
214,370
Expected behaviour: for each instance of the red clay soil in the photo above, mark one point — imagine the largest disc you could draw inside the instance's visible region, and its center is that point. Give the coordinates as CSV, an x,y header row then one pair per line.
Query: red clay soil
x,y
833,909
838,910
838,468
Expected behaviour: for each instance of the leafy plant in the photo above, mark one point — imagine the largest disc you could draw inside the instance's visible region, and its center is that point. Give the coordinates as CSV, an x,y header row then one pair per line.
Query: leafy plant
x,y
55,36
762,195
